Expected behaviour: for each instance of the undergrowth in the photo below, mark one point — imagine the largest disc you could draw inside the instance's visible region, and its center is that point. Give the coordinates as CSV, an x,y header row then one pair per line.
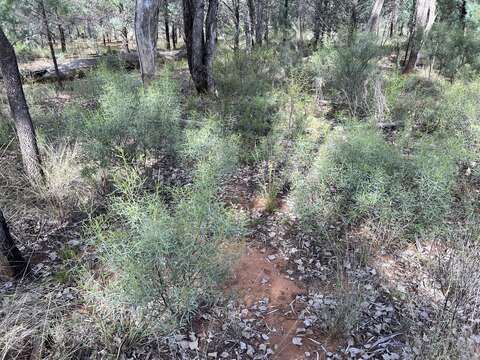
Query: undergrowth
x,y
161,262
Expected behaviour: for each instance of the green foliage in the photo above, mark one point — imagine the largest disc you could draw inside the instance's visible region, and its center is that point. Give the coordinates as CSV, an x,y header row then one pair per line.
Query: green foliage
x,y
348,71
27,52
455,50
131,118
6,132
423,108
63,189
244,82
358,178
213,154
167,260
274,152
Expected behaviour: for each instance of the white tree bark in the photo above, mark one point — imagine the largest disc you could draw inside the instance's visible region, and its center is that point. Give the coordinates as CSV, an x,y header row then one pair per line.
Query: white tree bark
x,y
425,14
146,34
374,19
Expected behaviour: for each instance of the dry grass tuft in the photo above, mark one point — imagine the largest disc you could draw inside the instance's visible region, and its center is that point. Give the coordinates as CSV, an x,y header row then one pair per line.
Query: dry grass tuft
x,y
63,190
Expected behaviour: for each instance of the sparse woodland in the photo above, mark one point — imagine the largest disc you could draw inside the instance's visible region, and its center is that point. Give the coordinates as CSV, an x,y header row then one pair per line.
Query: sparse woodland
x,y
240,179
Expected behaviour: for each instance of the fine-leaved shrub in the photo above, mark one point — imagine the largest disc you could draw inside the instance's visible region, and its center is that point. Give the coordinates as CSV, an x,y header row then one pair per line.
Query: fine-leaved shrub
x,y
244,81
131,118
359,180
162,261
348,72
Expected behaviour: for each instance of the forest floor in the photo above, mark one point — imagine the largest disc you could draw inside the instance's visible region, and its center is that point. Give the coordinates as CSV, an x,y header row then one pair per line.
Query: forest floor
x,y
283,291
282,294
288,297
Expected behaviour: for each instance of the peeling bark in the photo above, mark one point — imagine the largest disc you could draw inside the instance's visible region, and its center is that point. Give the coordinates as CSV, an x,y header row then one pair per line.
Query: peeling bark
x,y
425,13
146,33
374,20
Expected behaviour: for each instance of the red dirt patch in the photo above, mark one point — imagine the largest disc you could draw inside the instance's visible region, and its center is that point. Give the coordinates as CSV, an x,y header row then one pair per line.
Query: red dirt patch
x,y
256,277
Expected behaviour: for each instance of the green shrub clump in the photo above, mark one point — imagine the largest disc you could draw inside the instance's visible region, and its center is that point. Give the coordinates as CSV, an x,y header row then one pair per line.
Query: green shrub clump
x,y
422,107
348,71
359,181
165,260
244,80
132,119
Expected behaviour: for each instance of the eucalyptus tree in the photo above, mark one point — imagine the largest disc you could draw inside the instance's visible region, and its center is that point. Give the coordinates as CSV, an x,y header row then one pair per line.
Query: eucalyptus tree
x,y
233,6
373,21
200,30
425,13
19,110
166,16
146,33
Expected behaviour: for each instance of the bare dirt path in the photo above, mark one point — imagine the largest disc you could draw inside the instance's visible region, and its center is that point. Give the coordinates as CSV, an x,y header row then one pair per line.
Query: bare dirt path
x,y
260,277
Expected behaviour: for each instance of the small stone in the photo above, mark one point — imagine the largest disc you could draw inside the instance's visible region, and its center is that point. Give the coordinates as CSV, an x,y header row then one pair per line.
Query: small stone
x,y
297,341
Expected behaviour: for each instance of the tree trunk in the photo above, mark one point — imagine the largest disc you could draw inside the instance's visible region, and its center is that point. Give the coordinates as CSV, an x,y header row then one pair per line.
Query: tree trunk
x,y
62,38
285,21
236,21
251,14
300,22
424,19
15,262
124,31
124,34
246,28
146,33
200,44
260,9
19,109
267,20
174,35
50,42
353,19
167,20
89,30
317,22
394,18
374,19
463,14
